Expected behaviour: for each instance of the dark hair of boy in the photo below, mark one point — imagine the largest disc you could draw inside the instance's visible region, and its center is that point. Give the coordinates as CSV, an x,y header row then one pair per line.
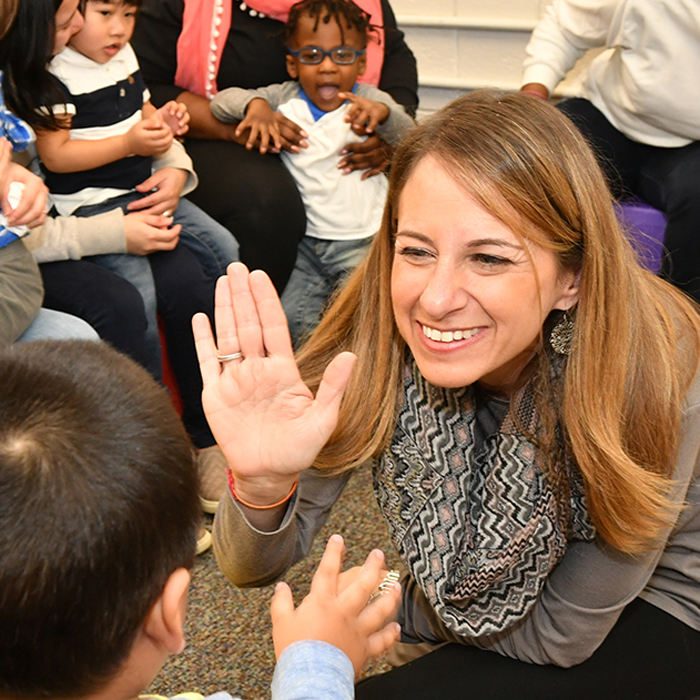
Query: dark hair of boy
x,y
324,11
98,507
130,3
24,54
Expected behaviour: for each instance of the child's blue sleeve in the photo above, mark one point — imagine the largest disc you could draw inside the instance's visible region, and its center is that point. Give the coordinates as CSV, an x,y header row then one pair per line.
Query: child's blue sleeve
x,y
14,129
313,670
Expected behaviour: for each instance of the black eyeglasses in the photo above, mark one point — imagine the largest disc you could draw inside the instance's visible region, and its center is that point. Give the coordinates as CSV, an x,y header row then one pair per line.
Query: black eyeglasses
x,y
313,55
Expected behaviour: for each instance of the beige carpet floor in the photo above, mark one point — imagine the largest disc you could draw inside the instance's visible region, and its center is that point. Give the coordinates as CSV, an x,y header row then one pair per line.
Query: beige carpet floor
x,y
229,643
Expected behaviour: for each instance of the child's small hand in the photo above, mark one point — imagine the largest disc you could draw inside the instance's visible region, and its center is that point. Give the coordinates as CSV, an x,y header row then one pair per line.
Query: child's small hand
x,y
364,114
149,137
176,116
261,121
147,233
339,614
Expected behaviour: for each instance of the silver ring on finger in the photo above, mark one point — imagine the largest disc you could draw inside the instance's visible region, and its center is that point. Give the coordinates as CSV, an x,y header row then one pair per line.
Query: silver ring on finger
x,y
386,585
228,358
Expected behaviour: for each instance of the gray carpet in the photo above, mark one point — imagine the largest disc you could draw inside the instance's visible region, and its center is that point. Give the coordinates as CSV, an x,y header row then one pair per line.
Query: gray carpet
x,y
229,642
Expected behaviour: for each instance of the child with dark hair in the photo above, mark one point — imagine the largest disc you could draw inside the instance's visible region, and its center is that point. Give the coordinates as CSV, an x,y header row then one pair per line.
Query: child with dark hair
x,y
327,42
98,152
98,514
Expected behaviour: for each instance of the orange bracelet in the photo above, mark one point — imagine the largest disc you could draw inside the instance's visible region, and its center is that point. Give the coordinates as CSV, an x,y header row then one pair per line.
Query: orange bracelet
x,y
234,493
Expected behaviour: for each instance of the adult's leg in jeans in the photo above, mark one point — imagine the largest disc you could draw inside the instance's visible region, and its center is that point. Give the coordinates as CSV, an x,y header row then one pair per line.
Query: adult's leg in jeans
x,y
56,325
137,271
214,245
182,290
670,181
256,199
111,305
621,158
648,655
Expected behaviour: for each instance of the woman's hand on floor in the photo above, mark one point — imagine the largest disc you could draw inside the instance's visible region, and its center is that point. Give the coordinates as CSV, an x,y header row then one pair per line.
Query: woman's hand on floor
x,y
265,419
338,616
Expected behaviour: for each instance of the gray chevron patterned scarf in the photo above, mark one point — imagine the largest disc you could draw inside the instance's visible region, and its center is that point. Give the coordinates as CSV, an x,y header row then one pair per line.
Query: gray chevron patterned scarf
x,y
472,515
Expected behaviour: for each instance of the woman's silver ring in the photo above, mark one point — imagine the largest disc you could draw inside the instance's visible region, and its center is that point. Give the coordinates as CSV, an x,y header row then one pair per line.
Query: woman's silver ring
x,y
388,582
228,358
167,213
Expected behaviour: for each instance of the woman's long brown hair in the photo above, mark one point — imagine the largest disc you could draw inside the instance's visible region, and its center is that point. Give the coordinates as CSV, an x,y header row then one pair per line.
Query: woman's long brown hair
x,y
636,341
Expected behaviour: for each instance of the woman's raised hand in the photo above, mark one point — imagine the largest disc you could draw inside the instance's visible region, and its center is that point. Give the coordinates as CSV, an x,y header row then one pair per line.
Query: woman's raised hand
x,y
265,419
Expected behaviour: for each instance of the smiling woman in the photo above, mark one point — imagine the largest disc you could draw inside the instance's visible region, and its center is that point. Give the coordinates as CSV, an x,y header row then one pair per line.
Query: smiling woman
x,y
527,395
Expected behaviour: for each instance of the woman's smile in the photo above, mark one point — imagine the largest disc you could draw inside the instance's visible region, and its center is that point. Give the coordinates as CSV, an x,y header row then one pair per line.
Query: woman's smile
x,y
448,336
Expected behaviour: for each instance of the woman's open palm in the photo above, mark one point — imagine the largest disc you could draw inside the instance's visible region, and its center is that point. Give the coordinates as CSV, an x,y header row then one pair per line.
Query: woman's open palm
x,y
265,419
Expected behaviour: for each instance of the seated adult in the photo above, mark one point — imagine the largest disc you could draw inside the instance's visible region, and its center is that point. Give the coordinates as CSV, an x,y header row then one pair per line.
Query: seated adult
x,y
530,400
640,109
241,44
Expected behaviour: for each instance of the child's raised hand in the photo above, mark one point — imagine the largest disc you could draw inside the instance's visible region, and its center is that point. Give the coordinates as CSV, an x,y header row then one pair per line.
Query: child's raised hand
x,y
149,137
337,614
176,116
261,121
364,114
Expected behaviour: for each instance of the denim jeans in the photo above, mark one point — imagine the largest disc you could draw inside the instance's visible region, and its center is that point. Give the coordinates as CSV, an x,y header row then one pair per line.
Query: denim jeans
x,y
55,325
212,244
321,266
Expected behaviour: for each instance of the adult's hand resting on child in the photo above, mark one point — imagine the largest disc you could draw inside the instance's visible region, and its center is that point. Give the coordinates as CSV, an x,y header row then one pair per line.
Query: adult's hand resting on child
x,y
372,155
31,209
165,187
246,401
148,233
340,617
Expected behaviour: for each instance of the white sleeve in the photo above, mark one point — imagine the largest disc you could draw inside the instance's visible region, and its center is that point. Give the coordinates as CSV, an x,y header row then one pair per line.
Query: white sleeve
x,y
568,29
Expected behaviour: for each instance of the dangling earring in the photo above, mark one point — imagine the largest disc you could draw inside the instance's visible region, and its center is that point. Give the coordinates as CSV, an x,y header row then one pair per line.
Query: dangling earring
x,y
562,334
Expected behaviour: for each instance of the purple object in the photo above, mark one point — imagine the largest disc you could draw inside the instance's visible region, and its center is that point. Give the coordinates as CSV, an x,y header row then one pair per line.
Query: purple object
x,y
646,227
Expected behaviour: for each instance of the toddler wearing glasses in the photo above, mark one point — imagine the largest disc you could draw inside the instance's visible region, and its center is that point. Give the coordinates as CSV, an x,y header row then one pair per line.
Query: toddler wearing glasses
x,y
327,41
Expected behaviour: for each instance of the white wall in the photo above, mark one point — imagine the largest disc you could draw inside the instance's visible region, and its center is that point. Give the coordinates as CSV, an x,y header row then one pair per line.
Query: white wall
x,y
465,44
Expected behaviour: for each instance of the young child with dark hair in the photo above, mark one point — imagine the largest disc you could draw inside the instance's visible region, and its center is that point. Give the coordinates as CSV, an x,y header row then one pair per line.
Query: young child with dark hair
x,y
327,42
98,514
98,156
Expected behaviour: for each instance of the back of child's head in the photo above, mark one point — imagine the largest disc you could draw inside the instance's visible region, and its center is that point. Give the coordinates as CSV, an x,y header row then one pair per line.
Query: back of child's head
x,y
98,506
345,13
